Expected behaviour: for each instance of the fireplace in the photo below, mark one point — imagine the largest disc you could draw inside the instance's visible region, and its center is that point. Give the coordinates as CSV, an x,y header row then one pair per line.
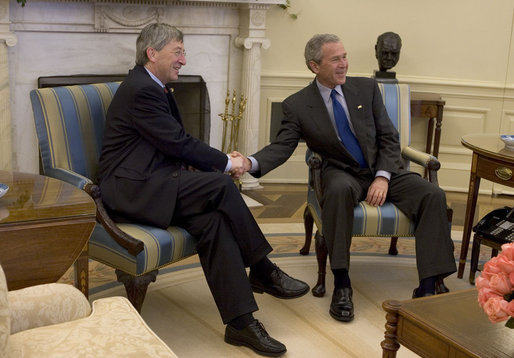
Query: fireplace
x,y
190,92
223,38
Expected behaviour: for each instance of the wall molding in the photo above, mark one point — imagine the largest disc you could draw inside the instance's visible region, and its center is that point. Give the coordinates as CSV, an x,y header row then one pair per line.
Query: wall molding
x,y
471,107
467,87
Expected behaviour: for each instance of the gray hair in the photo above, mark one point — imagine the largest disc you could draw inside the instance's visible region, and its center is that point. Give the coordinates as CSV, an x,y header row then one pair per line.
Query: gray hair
x,y
313,50
156,36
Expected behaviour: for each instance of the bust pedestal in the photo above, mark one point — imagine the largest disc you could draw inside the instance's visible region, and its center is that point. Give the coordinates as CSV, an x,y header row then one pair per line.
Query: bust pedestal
x,y
384,76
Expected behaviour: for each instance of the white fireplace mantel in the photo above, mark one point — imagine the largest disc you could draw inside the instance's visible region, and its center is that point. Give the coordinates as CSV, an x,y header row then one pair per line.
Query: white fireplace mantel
x,y
223,39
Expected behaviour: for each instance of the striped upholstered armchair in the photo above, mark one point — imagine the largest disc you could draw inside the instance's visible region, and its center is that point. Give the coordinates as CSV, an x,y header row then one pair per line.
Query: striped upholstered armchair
x,y
69,124
383,221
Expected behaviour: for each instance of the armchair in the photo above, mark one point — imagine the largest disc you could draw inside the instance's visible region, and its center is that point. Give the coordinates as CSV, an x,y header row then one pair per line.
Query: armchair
x,y
384,221
56,320
69,124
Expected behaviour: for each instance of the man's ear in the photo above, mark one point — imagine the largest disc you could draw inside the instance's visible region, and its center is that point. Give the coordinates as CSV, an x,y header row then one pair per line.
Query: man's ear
x,y
151,54
314,67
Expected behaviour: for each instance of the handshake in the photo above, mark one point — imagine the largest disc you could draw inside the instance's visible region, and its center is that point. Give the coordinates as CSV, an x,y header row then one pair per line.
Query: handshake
x,y
240,164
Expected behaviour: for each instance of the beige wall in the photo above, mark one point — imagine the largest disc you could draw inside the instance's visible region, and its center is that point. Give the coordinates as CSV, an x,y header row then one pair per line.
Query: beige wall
x,y
461,49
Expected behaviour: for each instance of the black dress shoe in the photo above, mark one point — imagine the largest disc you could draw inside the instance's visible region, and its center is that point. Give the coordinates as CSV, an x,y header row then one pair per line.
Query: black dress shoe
x,y
254,336
341,307
415,294
279,284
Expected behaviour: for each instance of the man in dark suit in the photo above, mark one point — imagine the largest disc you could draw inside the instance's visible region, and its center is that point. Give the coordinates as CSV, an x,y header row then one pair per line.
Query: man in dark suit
x,y
344,120
143,177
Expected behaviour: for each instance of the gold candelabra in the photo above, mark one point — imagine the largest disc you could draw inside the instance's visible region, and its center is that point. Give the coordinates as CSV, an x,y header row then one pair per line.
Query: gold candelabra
x,y
231,121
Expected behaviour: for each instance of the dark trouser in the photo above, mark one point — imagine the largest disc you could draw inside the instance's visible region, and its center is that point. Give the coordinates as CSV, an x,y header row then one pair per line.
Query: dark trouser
x,y
211,208
419,200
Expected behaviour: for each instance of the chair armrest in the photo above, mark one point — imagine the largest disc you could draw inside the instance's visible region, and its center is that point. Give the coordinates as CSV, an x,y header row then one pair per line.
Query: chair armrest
x,y
314,162
44,305
426,160
69,177
133,245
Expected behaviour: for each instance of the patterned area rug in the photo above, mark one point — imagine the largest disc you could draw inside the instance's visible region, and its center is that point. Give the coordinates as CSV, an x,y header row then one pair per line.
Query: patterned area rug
x,y
180,308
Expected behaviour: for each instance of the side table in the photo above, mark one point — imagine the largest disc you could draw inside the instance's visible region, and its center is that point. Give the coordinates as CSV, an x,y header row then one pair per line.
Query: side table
x,y
490,161
44,227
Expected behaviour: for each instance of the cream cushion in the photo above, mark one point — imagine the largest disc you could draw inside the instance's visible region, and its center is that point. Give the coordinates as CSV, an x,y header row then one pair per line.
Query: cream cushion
x,y
5,327
114,329
37,306
56,321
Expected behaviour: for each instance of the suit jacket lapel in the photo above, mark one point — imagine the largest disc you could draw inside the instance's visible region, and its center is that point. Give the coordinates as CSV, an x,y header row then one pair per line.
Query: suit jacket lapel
x,y
317,106
173,105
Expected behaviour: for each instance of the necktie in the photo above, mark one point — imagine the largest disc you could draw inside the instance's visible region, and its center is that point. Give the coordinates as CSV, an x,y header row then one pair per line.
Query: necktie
x,y
343,128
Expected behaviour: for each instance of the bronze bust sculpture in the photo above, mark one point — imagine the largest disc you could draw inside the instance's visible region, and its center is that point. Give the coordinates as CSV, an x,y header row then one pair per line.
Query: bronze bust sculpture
x,y
387,52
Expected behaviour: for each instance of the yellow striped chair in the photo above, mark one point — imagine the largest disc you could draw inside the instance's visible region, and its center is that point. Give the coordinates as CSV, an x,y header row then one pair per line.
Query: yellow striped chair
x,y
69,124
369,221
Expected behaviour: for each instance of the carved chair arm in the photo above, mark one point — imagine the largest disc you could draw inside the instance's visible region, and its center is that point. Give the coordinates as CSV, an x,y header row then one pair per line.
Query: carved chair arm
x,y
426,160
133,245
314,163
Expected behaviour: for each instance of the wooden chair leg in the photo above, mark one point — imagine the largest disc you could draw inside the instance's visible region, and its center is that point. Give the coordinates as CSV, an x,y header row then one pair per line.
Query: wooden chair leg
x,y
308,223
136,286
321,254
393,250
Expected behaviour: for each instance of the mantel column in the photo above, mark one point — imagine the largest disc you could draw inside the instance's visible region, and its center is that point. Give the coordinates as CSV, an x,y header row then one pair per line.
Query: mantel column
x,y
252,39
6,39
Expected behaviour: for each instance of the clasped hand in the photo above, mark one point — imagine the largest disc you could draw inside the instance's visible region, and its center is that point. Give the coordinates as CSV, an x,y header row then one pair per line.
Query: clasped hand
x,y
240,164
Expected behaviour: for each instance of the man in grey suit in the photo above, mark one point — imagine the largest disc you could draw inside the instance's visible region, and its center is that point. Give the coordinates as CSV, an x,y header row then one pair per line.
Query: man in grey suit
x,y
344,120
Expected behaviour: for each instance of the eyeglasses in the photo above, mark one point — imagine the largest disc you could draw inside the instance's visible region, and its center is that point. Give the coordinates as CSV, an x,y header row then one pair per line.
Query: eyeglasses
x,y
180,53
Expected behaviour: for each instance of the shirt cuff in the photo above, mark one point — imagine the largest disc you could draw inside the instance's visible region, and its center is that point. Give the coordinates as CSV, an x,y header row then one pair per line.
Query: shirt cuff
x,y
255,165
383,173
229,164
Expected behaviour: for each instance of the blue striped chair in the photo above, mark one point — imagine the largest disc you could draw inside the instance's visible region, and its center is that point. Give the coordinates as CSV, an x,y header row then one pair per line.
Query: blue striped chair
x,y
369,221
69,124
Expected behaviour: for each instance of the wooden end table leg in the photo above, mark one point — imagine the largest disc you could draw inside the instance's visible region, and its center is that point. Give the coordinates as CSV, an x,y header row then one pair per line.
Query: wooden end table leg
x,y
474,185
390,344
475,254
81,267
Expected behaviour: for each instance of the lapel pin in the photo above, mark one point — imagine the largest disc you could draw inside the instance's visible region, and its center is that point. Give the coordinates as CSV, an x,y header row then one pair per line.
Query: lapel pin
x,y
359,106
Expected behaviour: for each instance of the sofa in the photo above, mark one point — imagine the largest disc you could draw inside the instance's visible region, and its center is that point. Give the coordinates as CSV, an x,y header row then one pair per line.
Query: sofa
x,y
56,320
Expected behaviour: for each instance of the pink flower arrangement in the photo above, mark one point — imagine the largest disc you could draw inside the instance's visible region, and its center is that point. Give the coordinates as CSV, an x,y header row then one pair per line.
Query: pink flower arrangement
x,y
496,286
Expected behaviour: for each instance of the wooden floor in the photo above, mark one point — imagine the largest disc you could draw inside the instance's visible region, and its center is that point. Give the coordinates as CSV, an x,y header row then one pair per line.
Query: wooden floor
x,y
285,203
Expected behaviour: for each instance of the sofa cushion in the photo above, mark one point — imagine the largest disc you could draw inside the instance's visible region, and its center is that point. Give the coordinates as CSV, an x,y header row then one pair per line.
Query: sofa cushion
x,y
5,326
114,329
46,304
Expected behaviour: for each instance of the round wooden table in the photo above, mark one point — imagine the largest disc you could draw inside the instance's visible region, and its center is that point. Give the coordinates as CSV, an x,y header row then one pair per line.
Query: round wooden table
x,y
490,161
44,226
